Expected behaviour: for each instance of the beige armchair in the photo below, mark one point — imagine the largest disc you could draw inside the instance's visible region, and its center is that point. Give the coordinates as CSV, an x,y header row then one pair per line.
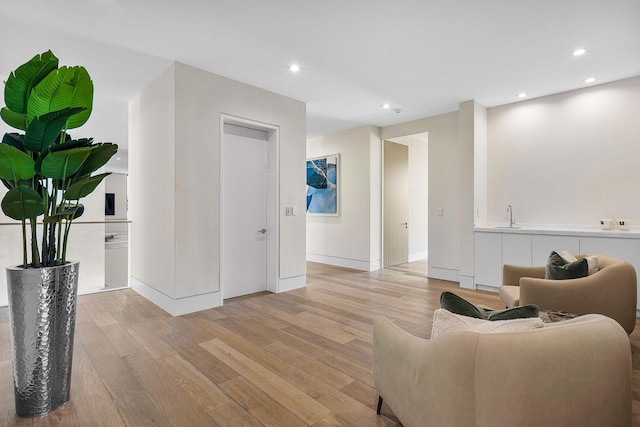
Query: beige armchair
x,y
571,373
611,291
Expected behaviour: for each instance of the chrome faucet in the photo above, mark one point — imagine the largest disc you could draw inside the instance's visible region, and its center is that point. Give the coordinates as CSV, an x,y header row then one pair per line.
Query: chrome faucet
x,y
510,210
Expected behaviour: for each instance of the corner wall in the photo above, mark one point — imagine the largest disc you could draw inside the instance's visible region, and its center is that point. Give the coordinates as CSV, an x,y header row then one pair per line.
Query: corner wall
x,y
444,189
178,117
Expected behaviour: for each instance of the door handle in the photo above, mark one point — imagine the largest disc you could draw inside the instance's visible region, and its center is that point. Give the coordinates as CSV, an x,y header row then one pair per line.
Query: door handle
x,y
262,231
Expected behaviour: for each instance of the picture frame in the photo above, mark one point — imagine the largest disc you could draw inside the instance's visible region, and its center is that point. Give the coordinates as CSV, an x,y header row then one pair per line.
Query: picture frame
x,y
323,185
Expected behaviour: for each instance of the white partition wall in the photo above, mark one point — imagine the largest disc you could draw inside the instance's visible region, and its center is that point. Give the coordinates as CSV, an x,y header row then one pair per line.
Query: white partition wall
x,y
174,183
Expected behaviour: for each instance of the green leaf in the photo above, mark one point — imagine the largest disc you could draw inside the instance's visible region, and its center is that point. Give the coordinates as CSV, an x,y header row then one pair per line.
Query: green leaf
x,y
27,76
63,164
44,130
21,203
66,211
82,142
66,87
13,119
14,164
100,155
84,187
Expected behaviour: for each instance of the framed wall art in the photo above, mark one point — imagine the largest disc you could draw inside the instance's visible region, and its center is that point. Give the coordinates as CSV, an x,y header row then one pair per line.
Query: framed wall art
x,y
322,185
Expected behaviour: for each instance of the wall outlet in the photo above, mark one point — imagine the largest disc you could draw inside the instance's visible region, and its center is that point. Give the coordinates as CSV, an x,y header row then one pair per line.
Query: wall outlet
x,y
440,212
288,211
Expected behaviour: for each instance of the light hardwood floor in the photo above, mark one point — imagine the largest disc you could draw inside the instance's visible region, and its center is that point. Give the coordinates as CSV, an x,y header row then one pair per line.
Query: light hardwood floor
x,y
292,359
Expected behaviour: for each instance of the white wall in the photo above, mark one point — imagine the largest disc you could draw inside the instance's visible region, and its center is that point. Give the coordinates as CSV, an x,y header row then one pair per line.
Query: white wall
x,y
569,158
472,154
375,198
180,181
152,184
351,239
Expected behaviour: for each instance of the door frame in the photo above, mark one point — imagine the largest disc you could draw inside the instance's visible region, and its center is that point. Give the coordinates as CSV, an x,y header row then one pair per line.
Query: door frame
x,y
425,136
273,197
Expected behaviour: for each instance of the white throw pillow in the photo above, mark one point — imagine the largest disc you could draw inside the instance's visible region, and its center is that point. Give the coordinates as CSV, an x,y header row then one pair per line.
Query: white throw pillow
x,y
445,321
592,261
568,256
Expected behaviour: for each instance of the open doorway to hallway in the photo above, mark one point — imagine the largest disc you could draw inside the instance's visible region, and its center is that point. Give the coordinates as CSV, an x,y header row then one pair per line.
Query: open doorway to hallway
x,y
405,195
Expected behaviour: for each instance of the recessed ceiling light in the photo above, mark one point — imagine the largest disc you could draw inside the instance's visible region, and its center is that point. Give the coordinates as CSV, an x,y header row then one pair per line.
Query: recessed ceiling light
x,y
522,95
590,80
117,158
386,106
294,68
580,51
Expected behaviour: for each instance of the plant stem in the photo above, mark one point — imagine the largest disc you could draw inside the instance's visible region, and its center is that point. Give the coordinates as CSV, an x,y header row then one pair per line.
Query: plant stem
x,y
35,254
24,244
67,227
45,206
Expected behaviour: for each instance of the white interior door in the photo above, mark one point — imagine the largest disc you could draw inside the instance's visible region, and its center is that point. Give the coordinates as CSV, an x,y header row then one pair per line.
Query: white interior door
x,y
244,214
396,204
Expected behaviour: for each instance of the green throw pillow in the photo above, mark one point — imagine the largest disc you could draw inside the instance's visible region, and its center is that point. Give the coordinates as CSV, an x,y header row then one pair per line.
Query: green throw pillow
x,y
455,304
559,269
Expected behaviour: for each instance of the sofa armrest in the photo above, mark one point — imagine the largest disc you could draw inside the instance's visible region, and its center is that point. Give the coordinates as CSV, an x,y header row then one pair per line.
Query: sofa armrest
x,y
511,274
424,382
611,292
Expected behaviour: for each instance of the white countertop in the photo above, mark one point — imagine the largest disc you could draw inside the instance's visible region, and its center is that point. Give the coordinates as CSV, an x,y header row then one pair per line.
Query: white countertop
x,y
559,229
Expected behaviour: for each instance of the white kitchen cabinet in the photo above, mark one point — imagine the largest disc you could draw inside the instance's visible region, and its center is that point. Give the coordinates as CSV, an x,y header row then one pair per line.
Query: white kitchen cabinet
x,y
496,246
488,265
516,249
541,247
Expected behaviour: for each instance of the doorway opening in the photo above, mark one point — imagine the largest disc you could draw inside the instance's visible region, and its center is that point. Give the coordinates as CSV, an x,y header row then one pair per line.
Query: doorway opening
x,y
405,199
249,226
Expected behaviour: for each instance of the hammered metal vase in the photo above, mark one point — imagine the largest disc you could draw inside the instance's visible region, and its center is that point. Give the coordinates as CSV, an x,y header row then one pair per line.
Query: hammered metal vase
x,y
42,310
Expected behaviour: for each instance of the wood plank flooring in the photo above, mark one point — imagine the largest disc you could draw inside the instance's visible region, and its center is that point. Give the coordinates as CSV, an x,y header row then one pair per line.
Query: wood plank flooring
x,y
300,358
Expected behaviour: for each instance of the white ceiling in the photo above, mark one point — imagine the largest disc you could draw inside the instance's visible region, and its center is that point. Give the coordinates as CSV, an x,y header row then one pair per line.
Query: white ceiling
x,y
423,57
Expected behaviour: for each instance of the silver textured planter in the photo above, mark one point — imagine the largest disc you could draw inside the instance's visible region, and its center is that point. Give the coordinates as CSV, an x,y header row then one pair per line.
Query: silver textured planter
x,y
42,310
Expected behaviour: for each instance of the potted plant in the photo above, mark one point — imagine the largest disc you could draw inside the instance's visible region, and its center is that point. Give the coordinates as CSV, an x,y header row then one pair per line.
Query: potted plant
x,y
46,173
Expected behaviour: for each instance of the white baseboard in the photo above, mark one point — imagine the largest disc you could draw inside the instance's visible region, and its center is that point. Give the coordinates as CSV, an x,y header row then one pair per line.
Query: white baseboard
x,y
467,282
291,283
444,274
345,262
179,306
487,288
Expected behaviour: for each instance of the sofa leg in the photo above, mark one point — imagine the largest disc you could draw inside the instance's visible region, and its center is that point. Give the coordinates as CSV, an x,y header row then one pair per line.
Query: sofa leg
x,y
379,405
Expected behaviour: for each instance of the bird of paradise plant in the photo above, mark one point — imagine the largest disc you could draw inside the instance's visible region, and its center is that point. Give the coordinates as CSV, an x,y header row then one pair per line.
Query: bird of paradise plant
x,y
45,170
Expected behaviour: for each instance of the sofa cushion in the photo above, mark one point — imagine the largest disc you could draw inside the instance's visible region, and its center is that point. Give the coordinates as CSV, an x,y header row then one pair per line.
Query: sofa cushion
x,y
510,294
456,304
559,269
446,322
592,261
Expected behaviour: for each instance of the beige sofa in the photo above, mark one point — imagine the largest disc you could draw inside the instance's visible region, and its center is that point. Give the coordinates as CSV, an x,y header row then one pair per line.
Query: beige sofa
x,y
571,373
611,291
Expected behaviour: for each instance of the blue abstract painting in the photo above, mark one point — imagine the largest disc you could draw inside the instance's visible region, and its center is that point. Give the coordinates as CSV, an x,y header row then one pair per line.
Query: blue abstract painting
x,y
322,185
